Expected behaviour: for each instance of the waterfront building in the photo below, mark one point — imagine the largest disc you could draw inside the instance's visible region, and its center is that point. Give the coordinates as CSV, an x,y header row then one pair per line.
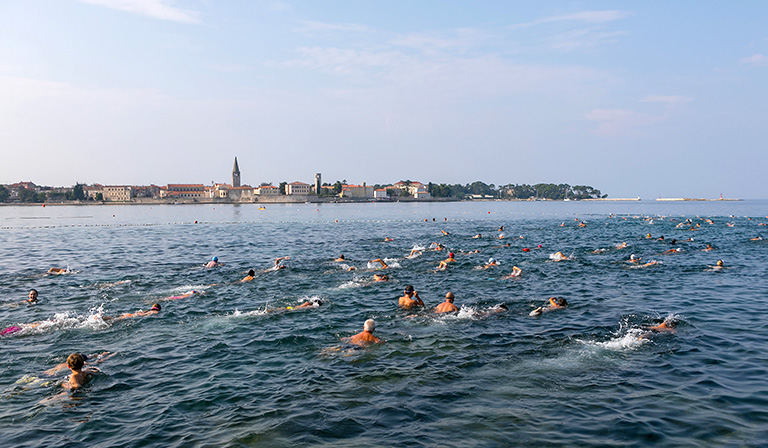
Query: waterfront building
x,y
183,191
297,188
117,193
356,191
266,190
318,183
380,193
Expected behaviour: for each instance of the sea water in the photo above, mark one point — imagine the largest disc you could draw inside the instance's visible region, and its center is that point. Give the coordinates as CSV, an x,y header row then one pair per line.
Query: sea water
x,y
232,366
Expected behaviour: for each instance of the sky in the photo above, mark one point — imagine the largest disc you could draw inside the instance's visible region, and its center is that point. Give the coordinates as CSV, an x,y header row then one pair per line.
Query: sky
x,y
649,99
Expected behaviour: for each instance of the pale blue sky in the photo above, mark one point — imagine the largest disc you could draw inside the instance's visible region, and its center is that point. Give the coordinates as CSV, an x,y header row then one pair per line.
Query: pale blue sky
x,y
634,98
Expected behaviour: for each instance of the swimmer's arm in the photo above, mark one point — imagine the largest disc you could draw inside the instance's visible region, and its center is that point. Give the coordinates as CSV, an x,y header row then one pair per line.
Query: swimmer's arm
x,y
416,294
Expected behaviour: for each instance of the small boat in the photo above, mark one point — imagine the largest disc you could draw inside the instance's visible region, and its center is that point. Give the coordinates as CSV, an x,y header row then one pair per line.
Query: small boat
x,y
262,208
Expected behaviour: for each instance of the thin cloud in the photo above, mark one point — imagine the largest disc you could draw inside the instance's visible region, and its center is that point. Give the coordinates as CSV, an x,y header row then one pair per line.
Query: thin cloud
x,y
309,26
667,99
593,17
757,60
620,122
156,9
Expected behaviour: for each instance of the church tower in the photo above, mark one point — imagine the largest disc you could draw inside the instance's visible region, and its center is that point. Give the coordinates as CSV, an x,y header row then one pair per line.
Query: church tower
x,y
236,175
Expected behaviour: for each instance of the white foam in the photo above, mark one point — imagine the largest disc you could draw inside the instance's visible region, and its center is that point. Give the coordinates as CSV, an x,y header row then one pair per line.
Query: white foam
x,y
629,341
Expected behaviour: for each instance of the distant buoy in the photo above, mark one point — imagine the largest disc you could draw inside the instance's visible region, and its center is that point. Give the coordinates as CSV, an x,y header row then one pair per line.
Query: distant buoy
x,y
43,205
113,216
195,221
525,249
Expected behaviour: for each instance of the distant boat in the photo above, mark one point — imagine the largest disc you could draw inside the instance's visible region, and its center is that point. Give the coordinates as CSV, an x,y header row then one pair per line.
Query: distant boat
x,y
262,208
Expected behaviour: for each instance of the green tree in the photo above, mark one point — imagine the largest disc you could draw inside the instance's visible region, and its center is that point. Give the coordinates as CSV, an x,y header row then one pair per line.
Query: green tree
x,y
4,194
26,195
99,197
78,192
337,187
281,187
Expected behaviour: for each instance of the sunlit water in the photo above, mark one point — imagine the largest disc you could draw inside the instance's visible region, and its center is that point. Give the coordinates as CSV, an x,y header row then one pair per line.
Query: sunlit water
x,y
219,368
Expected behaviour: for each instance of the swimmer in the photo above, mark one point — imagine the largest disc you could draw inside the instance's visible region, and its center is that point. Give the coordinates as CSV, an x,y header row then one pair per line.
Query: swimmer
x,y
708,248
479,235
668,326
491,263
314,302
622,245
341,258
182,296
757,238
278,262
500,308
436,246
386,238
444,232
213,263
447,306
97,359
381,262
718,266
516,272
410,298
79,375
380,277
154,310
633,259
365,337
414,252
56,271
648,236
672,251
501,229
32,297
558,256
582,224
249,277
554,304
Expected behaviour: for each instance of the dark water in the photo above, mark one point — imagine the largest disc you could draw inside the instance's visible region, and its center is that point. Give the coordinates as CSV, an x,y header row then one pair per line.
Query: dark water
x,y
216,369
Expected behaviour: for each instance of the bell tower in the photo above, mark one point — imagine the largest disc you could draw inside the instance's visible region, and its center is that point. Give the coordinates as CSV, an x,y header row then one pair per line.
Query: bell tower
x,y
236,175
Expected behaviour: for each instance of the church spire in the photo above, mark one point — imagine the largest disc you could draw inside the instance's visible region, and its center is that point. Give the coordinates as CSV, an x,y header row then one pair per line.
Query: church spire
x,y
235,175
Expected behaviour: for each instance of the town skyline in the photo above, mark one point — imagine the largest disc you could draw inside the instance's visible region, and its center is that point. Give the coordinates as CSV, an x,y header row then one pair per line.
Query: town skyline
x,y
650,99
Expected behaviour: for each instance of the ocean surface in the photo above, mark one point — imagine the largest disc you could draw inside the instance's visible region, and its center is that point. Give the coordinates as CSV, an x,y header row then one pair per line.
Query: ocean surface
x,y
231,365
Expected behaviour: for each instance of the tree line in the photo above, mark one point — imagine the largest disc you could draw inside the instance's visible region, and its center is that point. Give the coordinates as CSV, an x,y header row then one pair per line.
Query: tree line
x,y
515,191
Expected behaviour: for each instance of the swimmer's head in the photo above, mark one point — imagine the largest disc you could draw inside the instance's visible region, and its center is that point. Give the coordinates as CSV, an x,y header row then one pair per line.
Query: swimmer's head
x,y
450,255
491,260
251,272
369,325
75,361
449,296
32,295
409,289
632,257
155,307
720,262
315,301
341,257
562,302
215,258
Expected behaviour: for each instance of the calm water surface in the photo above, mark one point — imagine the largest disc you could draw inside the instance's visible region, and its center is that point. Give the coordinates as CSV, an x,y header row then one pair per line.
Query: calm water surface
x,y
220,369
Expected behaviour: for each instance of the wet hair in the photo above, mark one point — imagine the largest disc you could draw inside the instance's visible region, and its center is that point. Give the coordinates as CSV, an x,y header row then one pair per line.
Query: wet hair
x,y
156,307
251,272
369,325
409,288
562,302
75,361
341,257
502,307
33,290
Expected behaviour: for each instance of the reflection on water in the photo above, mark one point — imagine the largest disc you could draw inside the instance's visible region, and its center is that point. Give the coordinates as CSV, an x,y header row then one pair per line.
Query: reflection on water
x,y
240,364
